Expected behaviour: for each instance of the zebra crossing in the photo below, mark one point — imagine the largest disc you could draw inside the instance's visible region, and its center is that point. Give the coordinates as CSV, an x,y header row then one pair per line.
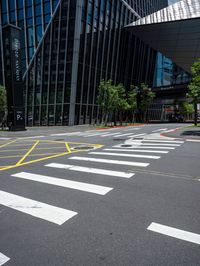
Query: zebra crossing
x,y
146,149
106,133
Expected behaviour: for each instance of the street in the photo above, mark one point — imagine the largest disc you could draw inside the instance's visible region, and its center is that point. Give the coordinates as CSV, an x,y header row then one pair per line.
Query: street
x,y
120,196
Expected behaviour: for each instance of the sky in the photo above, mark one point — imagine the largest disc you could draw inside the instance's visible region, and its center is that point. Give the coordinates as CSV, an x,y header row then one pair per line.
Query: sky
x,y
172,1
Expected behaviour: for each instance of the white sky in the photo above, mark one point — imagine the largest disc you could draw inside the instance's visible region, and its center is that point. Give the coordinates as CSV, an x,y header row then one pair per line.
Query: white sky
x,y
172,1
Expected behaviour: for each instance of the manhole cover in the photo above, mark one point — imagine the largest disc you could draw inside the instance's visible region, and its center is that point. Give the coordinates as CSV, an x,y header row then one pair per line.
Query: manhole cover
x,y
82,148
126,145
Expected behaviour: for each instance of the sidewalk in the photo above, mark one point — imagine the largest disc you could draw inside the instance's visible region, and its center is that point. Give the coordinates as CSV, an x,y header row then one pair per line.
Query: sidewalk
x,y
186,132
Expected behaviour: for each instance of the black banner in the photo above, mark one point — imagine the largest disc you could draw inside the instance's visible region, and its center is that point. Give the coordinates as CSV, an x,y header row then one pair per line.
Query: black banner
x,y
13,77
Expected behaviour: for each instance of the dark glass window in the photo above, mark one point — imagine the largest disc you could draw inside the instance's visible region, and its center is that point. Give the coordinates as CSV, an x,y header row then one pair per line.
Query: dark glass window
x,y
20,3
11,4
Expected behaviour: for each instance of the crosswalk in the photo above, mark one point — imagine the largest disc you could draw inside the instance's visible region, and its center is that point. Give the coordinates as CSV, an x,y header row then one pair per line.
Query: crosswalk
x,y
106,133
131,153
3,259
137,151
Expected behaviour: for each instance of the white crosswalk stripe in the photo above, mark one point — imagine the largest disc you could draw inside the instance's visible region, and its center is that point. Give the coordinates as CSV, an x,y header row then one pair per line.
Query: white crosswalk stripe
x,y
161,129
136,128
101,190
123,135
3,259
149,147
163,141
144,147
67,134
91,170
110,134
154,144
138,135
89,159
126,155
35,208
94,134
134,150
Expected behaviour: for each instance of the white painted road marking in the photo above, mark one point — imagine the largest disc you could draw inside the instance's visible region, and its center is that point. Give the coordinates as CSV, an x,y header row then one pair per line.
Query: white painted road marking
x,y
167,141
134,150
126,155
110,134
33,137
138,135
143,147
136,128
3,259
91,170
161,129
35,208
4,139
88,159
123,135
193,140
66,134
154,144
176,233
95,134
101,190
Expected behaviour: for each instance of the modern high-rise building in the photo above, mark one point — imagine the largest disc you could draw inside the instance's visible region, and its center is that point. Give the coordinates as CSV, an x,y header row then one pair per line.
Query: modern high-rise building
x,y
68,46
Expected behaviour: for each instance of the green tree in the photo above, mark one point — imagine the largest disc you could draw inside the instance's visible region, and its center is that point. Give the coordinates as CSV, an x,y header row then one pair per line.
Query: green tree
x,y
194,87
132,101
144,98
122,103
186,108
107,99
3,99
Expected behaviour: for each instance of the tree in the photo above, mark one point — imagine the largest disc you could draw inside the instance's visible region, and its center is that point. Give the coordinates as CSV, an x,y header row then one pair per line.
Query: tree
x,y
132,101
144,97
3,99
186,108
194,87
122,103
107,99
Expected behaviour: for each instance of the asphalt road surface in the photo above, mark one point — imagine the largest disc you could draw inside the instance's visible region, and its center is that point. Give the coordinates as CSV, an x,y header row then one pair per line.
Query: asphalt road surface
x,y
122,196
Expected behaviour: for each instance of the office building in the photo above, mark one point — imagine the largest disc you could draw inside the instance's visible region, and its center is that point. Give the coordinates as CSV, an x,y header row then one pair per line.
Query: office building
x,y
68,46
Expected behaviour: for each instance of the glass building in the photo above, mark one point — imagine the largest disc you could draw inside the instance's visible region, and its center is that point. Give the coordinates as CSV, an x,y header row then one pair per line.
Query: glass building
x,y
68,46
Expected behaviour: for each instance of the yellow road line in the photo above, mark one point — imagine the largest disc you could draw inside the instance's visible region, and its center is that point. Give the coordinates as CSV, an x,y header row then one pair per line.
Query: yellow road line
x,y
14,150
27,154
21,163
7,143
37,160
37,149
30,155
67,146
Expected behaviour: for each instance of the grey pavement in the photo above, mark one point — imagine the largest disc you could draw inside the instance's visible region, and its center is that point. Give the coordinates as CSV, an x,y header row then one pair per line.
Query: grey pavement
x,y
185,132
132,215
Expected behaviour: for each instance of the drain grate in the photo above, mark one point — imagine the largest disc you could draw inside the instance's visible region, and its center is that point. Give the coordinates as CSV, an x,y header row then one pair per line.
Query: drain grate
x,y
82,148
126,145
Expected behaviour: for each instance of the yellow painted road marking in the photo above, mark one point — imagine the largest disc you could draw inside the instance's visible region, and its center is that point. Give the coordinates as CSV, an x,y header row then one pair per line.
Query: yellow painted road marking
x,y
7,143
30,155
47,155
27,154
13,150
67,146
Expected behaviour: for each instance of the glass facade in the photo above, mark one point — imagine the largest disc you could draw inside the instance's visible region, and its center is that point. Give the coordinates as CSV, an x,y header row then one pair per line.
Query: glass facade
x,y
168,74
69,46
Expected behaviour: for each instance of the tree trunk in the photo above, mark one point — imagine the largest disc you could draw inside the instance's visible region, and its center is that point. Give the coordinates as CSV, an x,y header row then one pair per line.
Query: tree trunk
x,y
133,117
195,113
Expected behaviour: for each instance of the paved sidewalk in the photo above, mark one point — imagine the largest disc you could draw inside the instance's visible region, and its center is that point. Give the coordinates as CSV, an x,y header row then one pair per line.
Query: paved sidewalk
x,y
186,132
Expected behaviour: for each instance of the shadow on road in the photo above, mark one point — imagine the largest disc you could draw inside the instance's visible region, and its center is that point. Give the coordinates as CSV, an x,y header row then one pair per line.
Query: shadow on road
x,y
191,133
